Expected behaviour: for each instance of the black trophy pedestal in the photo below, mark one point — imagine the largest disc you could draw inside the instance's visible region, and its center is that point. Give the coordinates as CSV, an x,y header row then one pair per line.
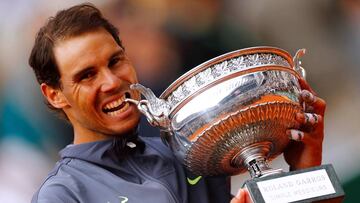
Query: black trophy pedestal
x,y
317,184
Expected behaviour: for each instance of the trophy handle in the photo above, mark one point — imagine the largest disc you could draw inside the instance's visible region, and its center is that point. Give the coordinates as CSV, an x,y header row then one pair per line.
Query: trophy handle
x,y
297,62
156,110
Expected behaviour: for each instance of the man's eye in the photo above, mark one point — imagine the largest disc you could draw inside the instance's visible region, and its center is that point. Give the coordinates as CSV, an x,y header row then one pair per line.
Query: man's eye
x,y
87,75
113,61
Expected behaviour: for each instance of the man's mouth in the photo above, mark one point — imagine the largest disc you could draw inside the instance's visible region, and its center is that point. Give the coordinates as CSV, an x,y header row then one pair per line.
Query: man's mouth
x,y
118,106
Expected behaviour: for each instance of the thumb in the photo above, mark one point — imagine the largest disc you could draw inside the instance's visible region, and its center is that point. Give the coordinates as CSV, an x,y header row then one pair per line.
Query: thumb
x,y
241,197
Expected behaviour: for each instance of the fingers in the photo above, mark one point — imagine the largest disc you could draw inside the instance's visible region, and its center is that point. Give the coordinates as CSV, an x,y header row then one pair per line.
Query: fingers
x,y
309,119
312,103
305,149
241,197
309,98
308,138
295,135
299,136
310,123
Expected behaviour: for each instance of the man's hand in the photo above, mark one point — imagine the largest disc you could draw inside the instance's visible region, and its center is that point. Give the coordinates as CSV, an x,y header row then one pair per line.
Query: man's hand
x,y
305,148
241,197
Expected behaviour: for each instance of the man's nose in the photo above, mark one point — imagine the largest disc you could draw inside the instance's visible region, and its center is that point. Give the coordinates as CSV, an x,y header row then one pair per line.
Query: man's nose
x,y
109,81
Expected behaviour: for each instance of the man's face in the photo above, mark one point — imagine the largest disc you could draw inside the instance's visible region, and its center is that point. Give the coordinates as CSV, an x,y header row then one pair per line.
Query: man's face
x,y
95,77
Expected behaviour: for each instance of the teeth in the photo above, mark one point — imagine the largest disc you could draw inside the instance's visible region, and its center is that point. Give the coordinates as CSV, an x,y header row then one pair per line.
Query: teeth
x,y
114,113
114,103
118,106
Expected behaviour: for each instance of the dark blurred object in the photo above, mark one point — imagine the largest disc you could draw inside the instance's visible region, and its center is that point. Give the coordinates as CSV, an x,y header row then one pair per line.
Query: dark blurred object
x,y
352,190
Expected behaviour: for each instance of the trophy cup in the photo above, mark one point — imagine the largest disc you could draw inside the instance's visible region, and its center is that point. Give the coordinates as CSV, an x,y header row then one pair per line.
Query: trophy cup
x,y
230,114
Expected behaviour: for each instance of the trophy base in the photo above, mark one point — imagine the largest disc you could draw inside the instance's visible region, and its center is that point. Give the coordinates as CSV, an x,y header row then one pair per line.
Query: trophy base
x,y
317,184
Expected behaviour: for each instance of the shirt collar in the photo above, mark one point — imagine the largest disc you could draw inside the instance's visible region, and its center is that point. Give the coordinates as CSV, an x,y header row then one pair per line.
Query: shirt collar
x,y
107,151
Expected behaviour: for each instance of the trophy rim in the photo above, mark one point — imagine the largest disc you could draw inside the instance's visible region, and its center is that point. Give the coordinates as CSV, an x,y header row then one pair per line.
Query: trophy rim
x,y
181,104
191,74
223,57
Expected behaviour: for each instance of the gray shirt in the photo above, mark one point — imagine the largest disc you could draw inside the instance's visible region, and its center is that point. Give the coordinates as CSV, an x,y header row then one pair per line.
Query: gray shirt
x,y
93,172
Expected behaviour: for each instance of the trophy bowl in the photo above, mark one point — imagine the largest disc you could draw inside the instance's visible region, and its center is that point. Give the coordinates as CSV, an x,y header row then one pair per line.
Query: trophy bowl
x,y
229,114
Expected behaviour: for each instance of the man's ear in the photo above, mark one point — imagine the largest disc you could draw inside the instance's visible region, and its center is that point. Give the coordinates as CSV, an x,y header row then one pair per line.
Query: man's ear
x,y
54,96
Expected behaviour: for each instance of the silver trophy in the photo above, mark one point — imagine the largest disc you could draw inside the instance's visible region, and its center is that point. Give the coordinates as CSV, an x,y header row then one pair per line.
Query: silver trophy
x,y
230,114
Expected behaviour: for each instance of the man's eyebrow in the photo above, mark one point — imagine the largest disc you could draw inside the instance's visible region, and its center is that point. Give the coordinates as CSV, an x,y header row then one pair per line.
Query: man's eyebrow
x,y
78,74
119,52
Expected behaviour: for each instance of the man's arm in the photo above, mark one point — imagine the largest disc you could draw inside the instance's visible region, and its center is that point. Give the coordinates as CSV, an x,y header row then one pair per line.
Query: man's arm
x,y
54,193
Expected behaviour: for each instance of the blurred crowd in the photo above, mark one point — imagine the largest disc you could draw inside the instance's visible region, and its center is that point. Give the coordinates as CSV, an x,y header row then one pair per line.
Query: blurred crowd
x,y
166,38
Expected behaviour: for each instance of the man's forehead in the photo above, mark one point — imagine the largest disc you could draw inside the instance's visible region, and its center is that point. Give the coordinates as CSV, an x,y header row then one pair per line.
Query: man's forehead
x,y
86,49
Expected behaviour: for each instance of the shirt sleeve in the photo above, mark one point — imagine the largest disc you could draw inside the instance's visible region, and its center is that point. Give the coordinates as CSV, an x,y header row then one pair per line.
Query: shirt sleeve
x,y
54,193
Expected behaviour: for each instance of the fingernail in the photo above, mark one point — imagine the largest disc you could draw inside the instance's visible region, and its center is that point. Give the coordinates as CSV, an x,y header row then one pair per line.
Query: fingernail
x,y
311,118
316,118
307,96
295,135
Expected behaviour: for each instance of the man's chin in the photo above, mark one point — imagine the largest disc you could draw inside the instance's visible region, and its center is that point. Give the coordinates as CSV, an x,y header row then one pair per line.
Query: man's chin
x,y
125,128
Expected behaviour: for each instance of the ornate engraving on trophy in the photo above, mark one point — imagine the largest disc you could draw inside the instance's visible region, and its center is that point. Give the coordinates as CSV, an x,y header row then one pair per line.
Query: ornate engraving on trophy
x,y
222,69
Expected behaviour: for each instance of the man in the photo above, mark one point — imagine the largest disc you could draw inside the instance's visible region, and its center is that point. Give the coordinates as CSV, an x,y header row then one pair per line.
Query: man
x,y
85,75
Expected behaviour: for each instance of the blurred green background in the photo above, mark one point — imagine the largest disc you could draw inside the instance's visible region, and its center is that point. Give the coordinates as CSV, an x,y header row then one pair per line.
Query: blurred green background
x,y
165,38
